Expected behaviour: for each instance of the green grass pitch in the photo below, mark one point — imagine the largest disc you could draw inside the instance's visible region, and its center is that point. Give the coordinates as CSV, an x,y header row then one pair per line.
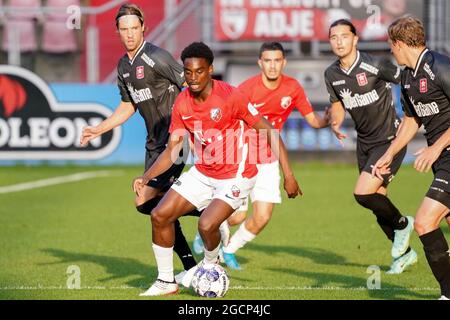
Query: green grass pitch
x,y
316,247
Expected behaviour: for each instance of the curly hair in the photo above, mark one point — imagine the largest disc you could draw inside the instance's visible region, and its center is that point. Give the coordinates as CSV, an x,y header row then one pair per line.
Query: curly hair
x,y
198,50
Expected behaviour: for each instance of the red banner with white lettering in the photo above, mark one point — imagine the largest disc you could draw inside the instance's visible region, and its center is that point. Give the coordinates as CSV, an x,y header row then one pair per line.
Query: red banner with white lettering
x,y
285,20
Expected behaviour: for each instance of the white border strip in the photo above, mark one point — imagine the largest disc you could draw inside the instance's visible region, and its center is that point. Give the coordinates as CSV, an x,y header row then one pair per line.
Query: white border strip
x,y
57,180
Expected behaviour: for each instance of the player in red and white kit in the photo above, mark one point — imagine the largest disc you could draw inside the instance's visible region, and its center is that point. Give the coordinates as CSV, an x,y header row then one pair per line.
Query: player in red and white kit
x,y
274,95
217,118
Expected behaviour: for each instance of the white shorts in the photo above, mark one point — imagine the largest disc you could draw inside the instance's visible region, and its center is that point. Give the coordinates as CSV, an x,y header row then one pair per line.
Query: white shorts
x,y
200,190
267,186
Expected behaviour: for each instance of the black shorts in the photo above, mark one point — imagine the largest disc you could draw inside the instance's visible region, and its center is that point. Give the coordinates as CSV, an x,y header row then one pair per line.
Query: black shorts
x,y
441,182
165,180
368,155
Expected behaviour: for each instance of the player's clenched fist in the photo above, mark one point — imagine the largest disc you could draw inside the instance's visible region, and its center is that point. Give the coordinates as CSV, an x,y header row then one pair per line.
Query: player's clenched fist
x,y
291,186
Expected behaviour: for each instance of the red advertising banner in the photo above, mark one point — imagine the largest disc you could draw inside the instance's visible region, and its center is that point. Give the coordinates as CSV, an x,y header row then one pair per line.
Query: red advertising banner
x,y
247,20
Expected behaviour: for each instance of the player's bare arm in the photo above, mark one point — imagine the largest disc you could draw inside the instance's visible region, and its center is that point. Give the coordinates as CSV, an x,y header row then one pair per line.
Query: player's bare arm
x,y
276,143
122,113
428,155
316,121
337,116
408,130
165,160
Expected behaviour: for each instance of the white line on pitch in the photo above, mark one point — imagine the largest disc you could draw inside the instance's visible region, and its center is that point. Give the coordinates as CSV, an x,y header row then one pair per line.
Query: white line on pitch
x,y
58,180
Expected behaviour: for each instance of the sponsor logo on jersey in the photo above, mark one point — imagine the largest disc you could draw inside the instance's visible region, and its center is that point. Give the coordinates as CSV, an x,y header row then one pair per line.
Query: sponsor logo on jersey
x,y
140,72
35,126
259,105
425,109
427,69
369,68
216,114
139,95
235,191
423,85
362,79
148,60
338,83
358,100
286,102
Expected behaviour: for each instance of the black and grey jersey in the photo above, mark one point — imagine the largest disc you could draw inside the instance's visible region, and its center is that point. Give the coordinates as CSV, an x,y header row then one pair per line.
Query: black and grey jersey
x,y
151,82
426,93
365,92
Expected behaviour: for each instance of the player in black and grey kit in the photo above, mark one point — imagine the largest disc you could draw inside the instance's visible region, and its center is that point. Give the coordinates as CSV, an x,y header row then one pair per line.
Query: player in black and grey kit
x,y
426,100
360,84
149,80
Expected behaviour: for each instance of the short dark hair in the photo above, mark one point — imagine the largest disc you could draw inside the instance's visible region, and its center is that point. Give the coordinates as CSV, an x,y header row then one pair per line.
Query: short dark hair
x,y
409,30
343,22
129,9
198,50
271,46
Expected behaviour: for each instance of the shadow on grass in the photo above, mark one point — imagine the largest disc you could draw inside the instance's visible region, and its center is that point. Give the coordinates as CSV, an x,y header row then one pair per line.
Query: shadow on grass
x,y
316,255
336,282
116,268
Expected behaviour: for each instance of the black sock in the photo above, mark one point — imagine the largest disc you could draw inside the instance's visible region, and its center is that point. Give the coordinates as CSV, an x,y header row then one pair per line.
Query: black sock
x,y
436,251
182,249
383,207
386,226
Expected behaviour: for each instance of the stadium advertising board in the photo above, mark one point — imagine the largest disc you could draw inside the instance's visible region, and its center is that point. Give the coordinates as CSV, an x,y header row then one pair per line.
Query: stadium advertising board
x,y
247,20
34,125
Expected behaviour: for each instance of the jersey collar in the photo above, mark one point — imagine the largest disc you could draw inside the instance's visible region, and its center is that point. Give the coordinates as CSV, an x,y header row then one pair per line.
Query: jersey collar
x,y
138,52
347,72
419,62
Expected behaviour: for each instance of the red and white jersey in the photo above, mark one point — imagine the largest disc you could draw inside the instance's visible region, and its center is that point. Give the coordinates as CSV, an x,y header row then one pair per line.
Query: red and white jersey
x,y
275,105
217,129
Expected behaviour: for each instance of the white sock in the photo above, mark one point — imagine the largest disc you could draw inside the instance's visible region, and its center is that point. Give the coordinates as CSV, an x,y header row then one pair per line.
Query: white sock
x,y
211,256
225,233
239,239
164,260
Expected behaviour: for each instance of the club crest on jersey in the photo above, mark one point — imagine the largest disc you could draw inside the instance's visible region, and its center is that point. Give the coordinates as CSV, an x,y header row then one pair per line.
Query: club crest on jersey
x,y
286,102
235,191
423,85
216,114
140,72
362,79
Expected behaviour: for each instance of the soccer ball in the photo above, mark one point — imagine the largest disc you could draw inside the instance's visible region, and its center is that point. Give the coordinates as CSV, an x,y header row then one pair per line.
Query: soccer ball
x,y
210,281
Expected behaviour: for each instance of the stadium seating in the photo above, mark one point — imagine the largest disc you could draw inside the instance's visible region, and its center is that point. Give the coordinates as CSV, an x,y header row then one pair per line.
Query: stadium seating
x,y
56,37
23,24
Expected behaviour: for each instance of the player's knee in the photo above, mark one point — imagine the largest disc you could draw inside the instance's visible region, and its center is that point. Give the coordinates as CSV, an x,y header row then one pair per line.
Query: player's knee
x,y
421,226
366,200
206,226
159,216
